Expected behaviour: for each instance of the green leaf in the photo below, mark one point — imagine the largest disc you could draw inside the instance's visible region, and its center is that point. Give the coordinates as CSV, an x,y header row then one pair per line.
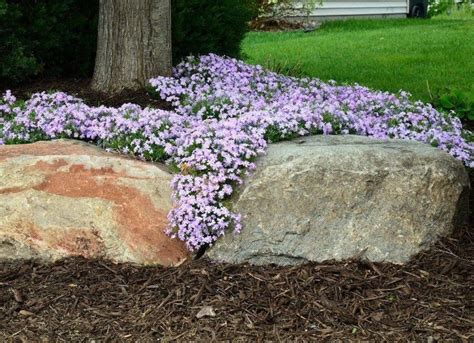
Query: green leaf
x,y
445,102
3,7
458,94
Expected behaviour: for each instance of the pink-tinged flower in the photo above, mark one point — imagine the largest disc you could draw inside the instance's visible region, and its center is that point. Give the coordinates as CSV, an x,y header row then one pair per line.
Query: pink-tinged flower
x,y
225,114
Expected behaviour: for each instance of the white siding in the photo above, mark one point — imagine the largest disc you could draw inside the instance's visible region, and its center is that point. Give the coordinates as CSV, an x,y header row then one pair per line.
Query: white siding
x,y
338,8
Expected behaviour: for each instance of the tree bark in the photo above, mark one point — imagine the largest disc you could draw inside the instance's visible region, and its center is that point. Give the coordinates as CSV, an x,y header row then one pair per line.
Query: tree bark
x,y
134,44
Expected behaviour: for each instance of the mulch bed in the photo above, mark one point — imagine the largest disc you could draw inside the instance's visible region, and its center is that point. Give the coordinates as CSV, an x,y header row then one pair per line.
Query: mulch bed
x,y
81,89
79,300
272,24
429,299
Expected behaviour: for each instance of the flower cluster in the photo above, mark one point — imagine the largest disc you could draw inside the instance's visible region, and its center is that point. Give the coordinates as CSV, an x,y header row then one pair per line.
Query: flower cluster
x,y
225,113
223,88
146,133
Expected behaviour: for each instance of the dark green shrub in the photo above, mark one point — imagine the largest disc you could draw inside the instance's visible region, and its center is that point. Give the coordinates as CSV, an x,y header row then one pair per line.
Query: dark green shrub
x,y
459,101
47,38
64,35
59,37
204,26
437,7
450,7
16,61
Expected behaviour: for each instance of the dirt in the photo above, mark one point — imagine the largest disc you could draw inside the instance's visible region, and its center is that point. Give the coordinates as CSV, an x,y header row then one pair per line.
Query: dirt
x,y
79,300
81,88
273,24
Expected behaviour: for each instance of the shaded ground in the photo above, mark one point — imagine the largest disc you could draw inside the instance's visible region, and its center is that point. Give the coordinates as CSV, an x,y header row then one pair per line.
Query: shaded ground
x,y
81,89
79,300
273,24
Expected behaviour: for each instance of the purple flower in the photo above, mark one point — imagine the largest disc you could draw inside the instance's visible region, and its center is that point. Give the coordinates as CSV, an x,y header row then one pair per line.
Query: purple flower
x,y
225,114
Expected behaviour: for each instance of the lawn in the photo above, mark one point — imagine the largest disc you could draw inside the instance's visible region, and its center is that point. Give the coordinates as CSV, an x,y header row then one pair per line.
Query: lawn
x,y
383,54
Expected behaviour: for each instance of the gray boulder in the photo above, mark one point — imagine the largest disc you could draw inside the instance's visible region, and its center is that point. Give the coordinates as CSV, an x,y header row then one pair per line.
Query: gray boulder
x,y
337,197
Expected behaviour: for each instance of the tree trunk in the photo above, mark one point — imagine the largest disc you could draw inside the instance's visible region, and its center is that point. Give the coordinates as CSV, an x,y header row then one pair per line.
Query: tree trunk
x,y
134,44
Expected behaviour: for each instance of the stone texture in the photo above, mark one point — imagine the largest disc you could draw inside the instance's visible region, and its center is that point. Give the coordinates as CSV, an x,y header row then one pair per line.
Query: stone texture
x,y
323,198
67,198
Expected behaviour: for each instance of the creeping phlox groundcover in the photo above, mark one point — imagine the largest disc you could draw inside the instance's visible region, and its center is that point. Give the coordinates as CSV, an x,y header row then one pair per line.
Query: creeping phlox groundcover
x,y
225,114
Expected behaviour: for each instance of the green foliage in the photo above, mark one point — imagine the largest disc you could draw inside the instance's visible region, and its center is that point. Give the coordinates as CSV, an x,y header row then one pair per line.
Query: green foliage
x,y
457,100
280,8
204,26
273,134
284,67
450,8
437,7
47,38
14,60
59,37
273,7
3,8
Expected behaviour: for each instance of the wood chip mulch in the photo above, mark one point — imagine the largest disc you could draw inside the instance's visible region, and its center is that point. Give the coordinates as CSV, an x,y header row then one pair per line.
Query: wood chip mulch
x,y
273,24
430,299
81,88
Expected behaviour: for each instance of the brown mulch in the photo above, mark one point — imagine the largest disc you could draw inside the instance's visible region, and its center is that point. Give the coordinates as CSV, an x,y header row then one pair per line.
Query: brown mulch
x,y
81,89
430,299
273,24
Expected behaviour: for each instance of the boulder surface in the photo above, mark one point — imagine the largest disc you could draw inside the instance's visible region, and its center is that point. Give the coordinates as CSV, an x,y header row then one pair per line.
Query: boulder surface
x,y
66,198
337,197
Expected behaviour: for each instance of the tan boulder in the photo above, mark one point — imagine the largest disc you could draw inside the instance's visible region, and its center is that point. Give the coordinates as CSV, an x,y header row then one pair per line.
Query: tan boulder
x,y
325,198
67,198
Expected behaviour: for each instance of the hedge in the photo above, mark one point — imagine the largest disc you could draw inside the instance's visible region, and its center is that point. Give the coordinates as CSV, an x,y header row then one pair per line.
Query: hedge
x,y
59,37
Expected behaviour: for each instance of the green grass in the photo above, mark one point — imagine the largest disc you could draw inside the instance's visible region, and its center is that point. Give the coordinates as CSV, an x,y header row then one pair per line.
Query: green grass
x,y
382,54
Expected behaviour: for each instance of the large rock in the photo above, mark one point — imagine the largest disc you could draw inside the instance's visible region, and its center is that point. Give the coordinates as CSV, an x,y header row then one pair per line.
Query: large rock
x,y
336,197
66,198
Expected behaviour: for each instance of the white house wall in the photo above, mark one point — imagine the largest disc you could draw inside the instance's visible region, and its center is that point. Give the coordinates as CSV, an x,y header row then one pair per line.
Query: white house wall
x,y
337,8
